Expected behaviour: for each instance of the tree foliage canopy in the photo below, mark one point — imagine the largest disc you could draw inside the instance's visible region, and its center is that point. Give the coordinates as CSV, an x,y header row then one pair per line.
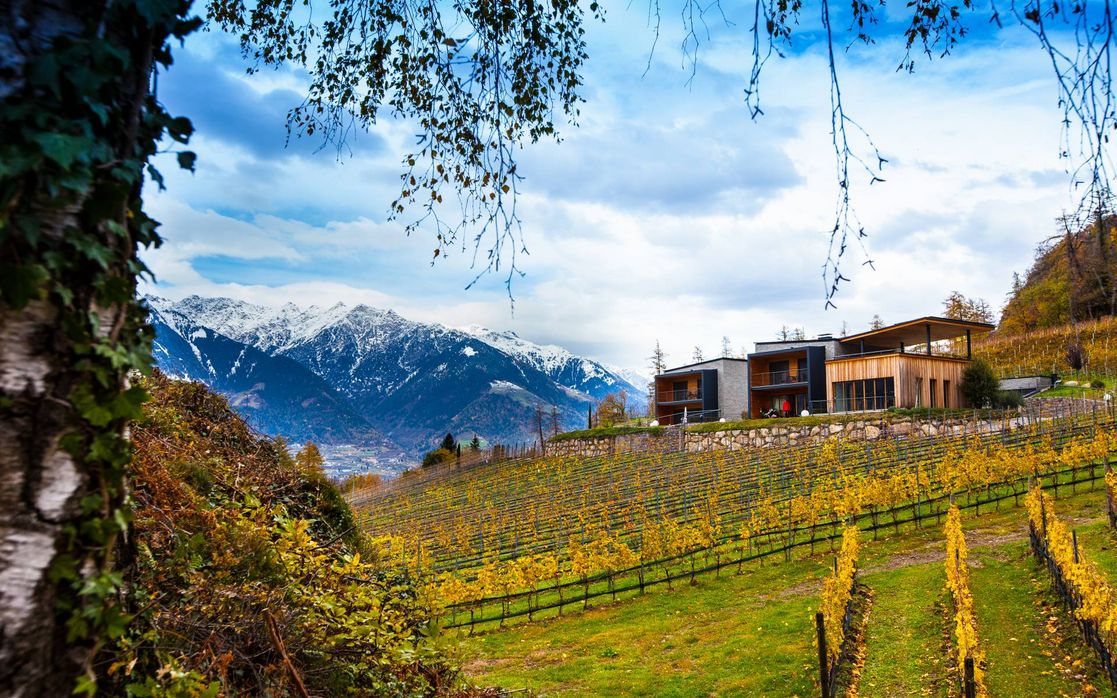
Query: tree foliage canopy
x,y
979,384
481,78
1071,280
959,307
478,78
612,409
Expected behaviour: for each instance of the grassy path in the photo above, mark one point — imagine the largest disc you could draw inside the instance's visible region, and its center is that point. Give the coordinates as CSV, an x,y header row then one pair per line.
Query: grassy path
x,y
1006,585
724,638
753,634
904,642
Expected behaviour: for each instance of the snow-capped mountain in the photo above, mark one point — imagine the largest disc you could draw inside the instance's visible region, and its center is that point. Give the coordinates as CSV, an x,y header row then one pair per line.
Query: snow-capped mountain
x,y
411,381
277,395
581,374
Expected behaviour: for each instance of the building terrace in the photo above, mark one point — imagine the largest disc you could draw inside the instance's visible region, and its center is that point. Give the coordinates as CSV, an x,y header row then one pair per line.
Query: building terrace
x,y
917,363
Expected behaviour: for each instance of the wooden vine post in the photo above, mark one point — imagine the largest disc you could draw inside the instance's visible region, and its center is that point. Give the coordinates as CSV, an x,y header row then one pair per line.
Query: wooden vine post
x,y
823,664
969,686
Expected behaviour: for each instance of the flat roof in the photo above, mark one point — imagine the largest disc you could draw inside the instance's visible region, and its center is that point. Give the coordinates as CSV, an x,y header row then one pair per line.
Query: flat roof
x,y
915,331
695,365
804,342
785,350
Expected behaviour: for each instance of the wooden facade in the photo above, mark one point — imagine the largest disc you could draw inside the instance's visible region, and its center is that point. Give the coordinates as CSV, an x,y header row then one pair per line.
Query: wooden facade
x,y
671,396
919,380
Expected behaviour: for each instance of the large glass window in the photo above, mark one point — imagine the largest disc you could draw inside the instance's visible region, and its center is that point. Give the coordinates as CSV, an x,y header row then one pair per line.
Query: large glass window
x,y
779,372
869,394
801,370
679,391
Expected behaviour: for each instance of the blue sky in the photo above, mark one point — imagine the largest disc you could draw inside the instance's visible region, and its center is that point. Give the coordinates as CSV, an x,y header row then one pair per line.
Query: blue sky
x,y
666,214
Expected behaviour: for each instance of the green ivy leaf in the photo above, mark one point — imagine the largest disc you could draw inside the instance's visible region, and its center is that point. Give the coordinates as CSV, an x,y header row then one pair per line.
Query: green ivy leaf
x,y
85,686
186,160
156,11
94,250
20,283
180,128
157,177
62,148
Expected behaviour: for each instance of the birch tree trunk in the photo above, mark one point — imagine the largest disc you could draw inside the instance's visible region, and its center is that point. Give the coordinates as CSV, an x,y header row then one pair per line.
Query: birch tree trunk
x,y
68,240
40,490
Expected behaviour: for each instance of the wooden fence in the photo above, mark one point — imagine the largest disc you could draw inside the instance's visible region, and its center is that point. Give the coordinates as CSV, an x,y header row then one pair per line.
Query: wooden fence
x,y
765,545
1070,597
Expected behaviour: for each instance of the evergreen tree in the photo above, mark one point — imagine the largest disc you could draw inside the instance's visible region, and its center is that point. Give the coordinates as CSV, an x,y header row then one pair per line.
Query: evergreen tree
x,y
448,443
658,359
876,323
979,384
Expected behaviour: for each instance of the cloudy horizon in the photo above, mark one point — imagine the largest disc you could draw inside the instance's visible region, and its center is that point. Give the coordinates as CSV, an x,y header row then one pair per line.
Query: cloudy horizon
x,y
667,214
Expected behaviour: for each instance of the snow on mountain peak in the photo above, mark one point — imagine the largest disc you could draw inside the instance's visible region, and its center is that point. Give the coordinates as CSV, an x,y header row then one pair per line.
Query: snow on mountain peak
x,y
364,328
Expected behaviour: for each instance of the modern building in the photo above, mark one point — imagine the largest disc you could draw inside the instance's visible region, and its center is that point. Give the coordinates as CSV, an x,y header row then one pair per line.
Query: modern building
x,y
918,363
702,392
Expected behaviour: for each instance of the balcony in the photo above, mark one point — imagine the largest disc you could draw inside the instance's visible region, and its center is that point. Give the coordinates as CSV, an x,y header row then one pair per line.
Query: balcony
x,y
690,417
667,396
776,378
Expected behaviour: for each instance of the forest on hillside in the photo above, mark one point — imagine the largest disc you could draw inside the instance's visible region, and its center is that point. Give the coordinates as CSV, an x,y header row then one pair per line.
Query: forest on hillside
x,y
1071,280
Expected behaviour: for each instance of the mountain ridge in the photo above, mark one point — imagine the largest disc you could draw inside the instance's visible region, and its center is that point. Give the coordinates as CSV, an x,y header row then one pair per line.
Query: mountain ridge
x,y
411,382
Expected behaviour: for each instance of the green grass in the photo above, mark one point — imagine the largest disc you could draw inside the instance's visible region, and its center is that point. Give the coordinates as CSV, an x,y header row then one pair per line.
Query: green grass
x,y
723,637
1083,389
893,414
904,640
606,431
753,634
1007,585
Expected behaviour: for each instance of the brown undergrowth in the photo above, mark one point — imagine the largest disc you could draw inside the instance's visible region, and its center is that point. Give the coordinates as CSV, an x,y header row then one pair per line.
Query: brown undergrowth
x,y
247,574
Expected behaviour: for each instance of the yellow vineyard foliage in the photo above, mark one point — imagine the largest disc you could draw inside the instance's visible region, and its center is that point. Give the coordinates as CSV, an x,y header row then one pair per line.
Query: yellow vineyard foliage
x,y
964,465
958,583
1098,598
837,592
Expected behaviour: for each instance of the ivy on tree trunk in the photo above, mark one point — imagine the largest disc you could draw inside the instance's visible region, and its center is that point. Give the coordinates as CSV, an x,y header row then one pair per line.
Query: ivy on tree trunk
x,y
80,121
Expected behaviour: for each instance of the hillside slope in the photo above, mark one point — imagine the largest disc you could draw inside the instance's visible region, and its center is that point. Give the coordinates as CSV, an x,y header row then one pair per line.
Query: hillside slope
x,y
1044,351
245,576
1073,278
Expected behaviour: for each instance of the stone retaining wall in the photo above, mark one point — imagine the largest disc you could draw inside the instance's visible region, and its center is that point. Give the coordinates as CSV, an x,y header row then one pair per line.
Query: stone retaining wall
x,y
667,441
675,439
859,430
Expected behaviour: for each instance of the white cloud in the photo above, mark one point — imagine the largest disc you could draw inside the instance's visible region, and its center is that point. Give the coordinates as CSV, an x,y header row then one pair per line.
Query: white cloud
x,y
670,216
